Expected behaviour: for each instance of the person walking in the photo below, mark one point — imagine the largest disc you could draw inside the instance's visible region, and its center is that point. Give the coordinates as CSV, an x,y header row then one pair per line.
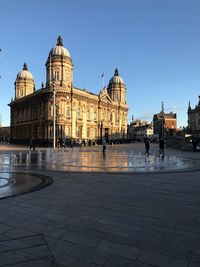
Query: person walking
x,y
194,144
162,147
32,143
80,143
147,146
104,146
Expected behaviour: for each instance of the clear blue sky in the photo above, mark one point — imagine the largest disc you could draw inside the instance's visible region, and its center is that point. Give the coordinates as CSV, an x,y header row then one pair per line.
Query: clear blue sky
x,y
155,44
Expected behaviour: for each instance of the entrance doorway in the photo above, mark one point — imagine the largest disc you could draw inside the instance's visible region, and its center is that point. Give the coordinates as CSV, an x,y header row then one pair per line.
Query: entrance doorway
x,y
107,134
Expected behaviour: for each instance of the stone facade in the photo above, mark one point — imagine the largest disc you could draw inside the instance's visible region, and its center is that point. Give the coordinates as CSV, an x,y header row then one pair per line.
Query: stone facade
x,y
138,130
194,120
79,114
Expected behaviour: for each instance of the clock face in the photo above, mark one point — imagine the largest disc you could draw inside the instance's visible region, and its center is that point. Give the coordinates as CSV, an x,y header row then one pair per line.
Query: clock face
x,y
67,97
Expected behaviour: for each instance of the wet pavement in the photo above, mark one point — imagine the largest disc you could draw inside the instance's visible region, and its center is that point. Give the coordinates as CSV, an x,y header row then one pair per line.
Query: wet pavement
x,y
16,183
103,219
92,159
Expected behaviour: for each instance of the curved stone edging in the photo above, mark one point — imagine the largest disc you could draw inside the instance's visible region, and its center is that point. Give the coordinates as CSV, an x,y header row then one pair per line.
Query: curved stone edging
x,y
24,183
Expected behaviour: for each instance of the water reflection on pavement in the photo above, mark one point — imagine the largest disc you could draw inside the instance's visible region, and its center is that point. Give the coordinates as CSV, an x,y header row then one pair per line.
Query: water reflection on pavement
x,y
12,183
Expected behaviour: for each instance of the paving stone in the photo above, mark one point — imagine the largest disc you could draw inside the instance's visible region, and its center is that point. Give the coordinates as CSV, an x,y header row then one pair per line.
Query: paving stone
x,y
193,264
64,259
118,261
81,239
82,230
97,219
18,232
46,262
57,244
26,251
5,228
119,249
196,258
87,253
161,260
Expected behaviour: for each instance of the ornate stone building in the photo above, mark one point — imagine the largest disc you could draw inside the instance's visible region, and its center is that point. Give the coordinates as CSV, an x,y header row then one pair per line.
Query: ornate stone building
x,y
194,120
79,113
138,130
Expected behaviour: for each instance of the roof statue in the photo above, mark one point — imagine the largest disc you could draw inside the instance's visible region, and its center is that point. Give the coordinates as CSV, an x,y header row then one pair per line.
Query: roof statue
x,y
116,72
59,41
25,67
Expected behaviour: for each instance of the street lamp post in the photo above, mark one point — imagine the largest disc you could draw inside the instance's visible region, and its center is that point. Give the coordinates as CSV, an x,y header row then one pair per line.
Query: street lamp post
x,y
54,111
0,74
162,110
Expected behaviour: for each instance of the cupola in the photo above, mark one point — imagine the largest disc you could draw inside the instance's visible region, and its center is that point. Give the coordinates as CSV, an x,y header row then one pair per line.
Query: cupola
x,y
24,83
116,88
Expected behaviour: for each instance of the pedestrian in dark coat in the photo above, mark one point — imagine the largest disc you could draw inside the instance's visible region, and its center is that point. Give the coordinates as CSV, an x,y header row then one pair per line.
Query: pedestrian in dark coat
x,y
147,146
162,146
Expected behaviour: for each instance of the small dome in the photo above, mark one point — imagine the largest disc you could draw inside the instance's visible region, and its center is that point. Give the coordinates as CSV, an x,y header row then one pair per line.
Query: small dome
x,y
25,74
59,49
116,78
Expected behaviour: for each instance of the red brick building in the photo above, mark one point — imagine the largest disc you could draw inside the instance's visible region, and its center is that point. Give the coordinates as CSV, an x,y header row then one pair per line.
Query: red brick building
x,y
164,123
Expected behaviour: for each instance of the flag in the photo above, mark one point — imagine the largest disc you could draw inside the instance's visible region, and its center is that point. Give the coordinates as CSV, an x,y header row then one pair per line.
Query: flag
x,y
102,75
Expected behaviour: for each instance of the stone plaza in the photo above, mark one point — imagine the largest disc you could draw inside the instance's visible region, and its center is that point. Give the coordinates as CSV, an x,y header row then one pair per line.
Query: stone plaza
x,y
101,211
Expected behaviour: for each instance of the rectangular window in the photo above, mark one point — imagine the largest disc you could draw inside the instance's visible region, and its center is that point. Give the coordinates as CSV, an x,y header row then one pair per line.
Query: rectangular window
x,y
57,75
88,115
68,112
67,76
95,116
51,111
78,113
67,130
21,92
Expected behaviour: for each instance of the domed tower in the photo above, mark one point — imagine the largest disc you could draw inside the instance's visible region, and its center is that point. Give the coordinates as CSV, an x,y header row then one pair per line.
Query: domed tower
x,y
60,64
24,83
116,88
